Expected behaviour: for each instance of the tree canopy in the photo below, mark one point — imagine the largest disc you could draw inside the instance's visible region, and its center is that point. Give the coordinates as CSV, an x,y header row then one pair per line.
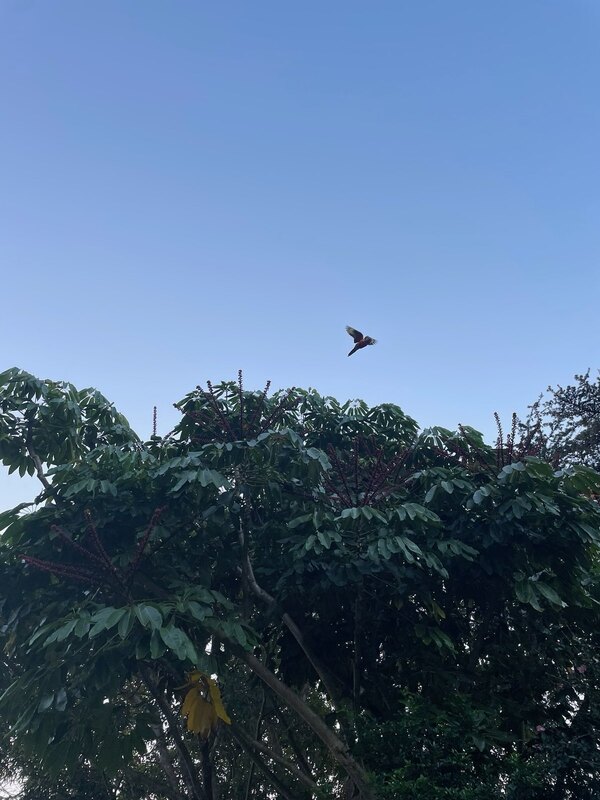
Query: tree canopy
x,y
564,425
292,597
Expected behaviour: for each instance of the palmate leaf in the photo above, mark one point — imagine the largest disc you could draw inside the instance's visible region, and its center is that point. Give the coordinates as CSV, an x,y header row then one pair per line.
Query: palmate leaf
x,y
202,704
358,542
201,715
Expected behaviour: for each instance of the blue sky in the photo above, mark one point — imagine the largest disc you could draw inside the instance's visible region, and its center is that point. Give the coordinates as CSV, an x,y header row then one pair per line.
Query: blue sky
x,y
189,188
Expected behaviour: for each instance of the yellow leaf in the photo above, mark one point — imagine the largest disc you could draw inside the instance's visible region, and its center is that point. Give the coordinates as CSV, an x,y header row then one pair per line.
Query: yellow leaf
x,y
215,696
202,718
201,714
189,701
209,719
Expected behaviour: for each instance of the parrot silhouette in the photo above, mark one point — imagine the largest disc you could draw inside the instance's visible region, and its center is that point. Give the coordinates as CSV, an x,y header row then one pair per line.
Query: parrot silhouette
x,y
360,341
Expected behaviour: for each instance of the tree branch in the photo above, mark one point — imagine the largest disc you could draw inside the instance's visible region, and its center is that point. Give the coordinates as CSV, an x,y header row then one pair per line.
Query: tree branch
x,y
37,463
190,774
304,765
282,789
256,735
330,683
357,659
240,734
207,770
165,761
339,750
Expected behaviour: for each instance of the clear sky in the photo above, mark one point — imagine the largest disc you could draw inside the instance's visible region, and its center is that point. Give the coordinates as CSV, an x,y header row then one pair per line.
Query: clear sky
x,y
188,188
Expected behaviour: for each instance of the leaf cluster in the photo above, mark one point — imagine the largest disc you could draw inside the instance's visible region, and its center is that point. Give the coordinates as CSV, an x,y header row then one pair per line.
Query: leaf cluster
x,y
366,597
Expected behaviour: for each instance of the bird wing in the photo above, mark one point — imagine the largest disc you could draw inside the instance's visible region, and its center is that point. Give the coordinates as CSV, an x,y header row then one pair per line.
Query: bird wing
x,y
356,335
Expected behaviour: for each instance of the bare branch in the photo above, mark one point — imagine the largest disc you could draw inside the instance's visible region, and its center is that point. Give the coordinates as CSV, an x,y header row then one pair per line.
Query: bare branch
x,y
239,733
37,463
282,789
337,747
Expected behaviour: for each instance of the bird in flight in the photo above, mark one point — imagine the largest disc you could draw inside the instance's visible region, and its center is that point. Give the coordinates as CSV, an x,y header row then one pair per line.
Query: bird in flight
x,y
360,341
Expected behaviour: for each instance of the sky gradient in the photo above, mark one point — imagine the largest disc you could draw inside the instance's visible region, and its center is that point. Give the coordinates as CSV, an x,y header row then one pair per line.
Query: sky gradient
x,y
191,188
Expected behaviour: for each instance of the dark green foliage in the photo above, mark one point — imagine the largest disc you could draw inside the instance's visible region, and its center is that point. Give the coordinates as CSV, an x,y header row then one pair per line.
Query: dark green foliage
x,y
375,600
564,426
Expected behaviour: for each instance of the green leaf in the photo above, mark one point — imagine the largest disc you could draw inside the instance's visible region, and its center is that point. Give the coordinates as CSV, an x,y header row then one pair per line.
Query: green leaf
x,y
517,466
399,541
550,595
431,494
126,623
58,635
46,702
441,639
66,630
176,640
416,511
412,546
318,455
50,639
210,476
383,550
60,702
593,533
141,650
534,601
523,591
186,477
479,496
83,626
325,538
149,616
526,594
239,634
199,611
299,521
105,619
157,648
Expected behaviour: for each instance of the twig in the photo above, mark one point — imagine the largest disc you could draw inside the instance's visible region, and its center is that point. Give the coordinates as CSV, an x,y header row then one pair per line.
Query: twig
x,y
39,467
219,411
100,549
77,547
239,733
256,735
144,540
336,462
260,405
